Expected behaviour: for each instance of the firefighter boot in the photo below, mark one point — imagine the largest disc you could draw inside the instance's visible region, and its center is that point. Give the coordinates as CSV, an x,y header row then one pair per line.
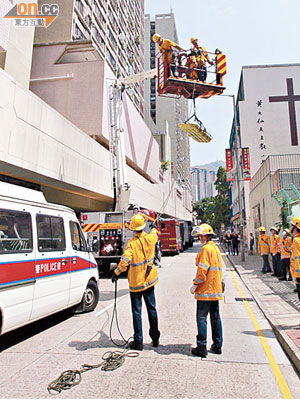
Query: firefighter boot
x,y
199,351
133,345
215,349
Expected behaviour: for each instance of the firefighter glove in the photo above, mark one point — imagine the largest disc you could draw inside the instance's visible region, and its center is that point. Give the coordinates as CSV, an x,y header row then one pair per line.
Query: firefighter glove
x,y
193,289
114,278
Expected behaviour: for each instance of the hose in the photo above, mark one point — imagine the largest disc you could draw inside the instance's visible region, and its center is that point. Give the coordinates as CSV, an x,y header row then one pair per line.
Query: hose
x,y
111,360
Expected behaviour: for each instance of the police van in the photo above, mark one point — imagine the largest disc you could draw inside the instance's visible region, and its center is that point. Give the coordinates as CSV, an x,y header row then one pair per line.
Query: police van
x,y
45,264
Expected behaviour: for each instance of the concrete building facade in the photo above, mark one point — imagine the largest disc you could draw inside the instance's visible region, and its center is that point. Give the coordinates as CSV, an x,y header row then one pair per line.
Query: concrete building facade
x,y
115,28
15,45
267,109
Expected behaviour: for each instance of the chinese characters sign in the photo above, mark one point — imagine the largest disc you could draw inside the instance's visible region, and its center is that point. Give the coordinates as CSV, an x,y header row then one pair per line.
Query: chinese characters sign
x,y
246,164
28,14
260,129
229,165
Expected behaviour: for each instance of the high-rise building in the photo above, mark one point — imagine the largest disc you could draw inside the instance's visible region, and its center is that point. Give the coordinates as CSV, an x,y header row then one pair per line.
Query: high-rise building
x,y
115,27
15,46
202,182
159,109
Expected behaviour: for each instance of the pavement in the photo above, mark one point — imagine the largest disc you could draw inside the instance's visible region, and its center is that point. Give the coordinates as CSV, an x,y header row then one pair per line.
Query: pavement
x,y
277,301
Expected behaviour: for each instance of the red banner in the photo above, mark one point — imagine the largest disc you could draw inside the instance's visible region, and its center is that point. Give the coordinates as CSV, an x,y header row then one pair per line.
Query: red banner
x,y
246,164
229,165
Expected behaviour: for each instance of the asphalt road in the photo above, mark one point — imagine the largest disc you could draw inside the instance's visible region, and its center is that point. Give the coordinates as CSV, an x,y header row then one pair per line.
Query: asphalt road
x,y
253,365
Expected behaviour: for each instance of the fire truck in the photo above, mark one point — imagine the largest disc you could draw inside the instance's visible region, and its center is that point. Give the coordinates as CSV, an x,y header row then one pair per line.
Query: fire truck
x,y
170,236
107,234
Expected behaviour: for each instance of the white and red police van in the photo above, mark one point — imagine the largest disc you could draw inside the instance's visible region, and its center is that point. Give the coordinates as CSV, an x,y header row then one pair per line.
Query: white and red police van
x,y
45,264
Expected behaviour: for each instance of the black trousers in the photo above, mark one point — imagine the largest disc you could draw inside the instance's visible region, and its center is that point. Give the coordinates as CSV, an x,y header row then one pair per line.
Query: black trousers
x,y
285,264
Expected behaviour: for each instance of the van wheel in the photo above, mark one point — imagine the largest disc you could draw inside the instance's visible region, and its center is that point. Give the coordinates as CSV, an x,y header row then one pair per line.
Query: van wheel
x,y
90,297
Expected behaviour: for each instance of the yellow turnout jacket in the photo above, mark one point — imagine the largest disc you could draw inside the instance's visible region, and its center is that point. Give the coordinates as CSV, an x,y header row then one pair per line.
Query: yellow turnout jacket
x,y
166,49
264,243
286,247
295,257
275,244
209,273
134,259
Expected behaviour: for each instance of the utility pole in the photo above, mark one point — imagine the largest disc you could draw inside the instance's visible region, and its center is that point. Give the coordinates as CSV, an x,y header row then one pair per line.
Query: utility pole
x,y
236,148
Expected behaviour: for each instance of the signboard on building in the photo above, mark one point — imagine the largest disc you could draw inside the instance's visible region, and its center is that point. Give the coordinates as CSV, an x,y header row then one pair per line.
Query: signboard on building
x,y
246,164
229,165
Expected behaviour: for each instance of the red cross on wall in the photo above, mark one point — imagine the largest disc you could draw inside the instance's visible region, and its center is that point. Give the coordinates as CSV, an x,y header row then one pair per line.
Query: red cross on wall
x,y
290,98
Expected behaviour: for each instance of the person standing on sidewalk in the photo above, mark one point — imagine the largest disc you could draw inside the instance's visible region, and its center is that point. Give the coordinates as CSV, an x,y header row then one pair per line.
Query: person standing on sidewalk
x,y
207,290
264,244
235,243
251,244
295,256
275,251
142,276
228,240
286,249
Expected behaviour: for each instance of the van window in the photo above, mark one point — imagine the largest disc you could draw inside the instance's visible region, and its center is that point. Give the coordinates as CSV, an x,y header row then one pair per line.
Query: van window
x,y
15,232
78,241
51,233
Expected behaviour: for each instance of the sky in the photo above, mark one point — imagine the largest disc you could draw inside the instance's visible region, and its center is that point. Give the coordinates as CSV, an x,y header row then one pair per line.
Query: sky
x,y
249,32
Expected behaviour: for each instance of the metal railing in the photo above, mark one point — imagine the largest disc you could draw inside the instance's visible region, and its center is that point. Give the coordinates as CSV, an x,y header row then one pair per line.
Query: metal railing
x,y
274,163
283,178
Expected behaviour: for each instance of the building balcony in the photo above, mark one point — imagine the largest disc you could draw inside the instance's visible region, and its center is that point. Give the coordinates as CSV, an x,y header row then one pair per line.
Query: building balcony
x,y
285,184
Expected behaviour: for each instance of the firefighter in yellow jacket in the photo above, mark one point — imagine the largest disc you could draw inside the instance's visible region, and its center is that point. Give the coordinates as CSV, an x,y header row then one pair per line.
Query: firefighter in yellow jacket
x,y
295,256
275,251
201,58
142,276
166,47
264,244
286,250
208,290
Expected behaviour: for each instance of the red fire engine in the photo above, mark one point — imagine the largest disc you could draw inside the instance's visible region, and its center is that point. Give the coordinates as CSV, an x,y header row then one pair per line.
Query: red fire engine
x,y
170,235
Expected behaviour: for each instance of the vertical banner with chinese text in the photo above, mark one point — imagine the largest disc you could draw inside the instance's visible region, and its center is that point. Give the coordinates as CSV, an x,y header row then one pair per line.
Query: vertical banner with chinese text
x,y
229,165
246,164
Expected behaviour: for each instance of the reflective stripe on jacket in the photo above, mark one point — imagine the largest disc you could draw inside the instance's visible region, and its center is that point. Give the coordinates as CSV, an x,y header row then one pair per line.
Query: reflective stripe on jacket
x,y
166,48
286,247
134,258
264,244
295,257
209,273
275,244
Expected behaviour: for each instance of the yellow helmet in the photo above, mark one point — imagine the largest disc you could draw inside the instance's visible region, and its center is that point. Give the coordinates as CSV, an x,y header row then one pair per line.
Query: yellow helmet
x,y
155,37
296,222
204,229
193,39
137,223
262,229
273,228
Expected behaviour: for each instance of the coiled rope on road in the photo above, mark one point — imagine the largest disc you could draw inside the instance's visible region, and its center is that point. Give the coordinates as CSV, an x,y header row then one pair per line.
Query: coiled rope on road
x,y
111,360
70,378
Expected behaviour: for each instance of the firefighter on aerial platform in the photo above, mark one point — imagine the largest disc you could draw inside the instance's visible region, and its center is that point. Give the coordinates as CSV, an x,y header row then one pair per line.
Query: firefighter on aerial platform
x,y
142,276
167,47
201,57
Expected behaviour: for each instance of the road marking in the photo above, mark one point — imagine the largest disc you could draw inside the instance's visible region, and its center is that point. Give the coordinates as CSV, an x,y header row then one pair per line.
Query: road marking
x,y
276,370
104,310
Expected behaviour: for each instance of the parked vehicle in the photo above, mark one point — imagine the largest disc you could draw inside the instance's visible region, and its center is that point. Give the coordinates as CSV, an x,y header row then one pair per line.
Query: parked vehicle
x,y
184,231
170,235
108,234
45,263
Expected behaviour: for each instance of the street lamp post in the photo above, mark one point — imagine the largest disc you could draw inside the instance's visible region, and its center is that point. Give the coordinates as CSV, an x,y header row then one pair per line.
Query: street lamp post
x,y
237,147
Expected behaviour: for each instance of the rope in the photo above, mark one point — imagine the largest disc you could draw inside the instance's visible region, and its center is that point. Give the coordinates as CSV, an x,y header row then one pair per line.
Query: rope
x,y
111,361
